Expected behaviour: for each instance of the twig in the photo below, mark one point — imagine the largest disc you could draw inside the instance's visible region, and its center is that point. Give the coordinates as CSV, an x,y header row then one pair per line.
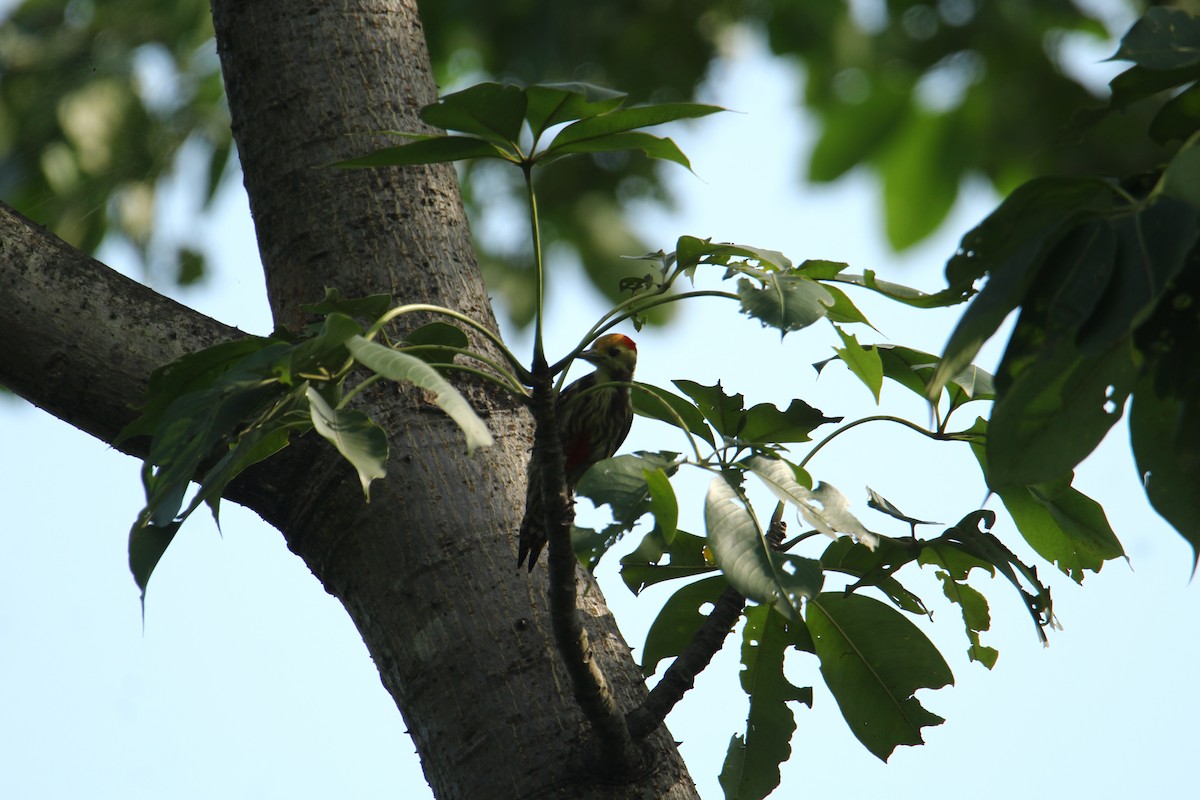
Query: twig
x,y
591,689
680,677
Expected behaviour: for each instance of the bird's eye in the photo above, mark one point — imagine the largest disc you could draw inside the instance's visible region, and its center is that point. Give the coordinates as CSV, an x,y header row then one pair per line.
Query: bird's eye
x,y
612,351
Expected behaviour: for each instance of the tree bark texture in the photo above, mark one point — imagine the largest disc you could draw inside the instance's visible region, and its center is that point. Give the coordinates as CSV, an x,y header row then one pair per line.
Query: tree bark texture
x,y
427,570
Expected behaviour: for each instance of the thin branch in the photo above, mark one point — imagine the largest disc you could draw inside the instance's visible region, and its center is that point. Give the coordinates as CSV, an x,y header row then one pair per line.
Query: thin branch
x,y
680,677
591,688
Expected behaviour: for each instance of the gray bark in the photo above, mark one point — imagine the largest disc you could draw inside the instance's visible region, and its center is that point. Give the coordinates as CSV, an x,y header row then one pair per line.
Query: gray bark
x,y
427,570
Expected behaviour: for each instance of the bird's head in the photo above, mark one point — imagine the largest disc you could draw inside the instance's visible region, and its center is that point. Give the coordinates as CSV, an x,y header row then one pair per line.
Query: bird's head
x,y
614,356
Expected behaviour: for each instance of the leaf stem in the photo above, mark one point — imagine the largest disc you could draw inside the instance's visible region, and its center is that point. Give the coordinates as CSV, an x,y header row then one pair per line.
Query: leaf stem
x,y
936,435
518,368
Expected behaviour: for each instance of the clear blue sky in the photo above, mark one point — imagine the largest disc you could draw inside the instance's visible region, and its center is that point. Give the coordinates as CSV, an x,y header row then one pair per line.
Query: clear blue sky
x,y
248,681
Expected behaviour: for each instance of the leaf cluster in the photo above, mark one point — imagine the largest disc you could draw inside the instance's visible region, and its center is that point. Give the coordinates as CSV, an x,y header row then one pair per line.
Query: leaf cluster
x,y
1104,274
212,414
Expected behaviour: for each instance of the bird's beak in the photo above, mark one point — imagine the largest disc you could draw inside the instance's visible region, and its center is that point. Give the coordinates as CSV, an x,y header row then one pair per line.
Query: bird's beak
x,y
591,356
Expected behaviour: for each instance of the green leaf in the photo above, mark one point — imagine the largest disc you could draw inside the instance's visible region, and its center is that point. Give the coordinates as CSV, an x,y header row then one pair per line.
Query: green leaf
x,y
1164,38
397,366
853,132
645,567
975,615
1064,526
690,252
843,311
766,424
426,150
724,412
786,301
825,508
369,308
432,338
1055,413
968,546
759,573
622,120
1181,178
189,373
875,567
619,483
751,769
663,504
652,146
874,660
907,295
865,363
493,111
1009,246
1165,434
147,544
1179,118
1151,249
676,624
920,172
360,441
658,403
553,103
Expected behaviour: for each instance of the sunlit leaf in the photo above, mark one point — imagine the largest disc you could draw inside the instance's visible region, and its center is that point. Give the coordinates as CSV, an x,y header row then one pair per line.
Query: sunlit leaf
x,y
786,301
759,573
400,367
825,508
360,441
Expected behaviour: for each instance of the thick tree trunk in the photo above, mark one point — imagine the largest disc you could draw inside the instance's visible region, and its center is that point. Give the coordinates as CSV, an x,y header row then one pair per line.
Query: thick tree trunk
x,y
427,569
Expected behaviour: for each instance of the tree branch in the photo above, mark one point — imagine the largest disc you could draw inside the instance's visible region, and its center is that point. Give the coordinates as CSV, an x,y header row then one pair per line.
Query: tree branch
x,y
80,339
680,677
590,686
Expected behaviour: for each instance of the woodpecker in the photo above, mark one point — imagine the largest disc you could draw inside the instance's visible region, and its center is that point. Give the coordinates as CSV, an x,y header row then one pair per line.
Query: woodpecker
x,y
591,425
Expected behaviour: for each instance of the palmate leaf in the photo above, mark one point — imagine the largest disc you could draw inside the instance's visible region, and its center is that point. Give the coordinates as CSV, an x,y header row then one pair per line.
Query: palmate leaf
x,y
762,424
874,660
553,103
975,615
1055,413
876,567
1163,39
691,251
1008,247
658,147
1165,433
759,573
398,366
577,136
492,111
751,769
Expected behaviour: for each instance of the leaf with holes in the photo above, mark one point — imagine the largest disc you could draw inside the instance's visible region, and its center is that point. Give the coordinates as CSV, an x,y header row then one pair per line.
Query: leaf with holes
x,y
874,660
751,769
